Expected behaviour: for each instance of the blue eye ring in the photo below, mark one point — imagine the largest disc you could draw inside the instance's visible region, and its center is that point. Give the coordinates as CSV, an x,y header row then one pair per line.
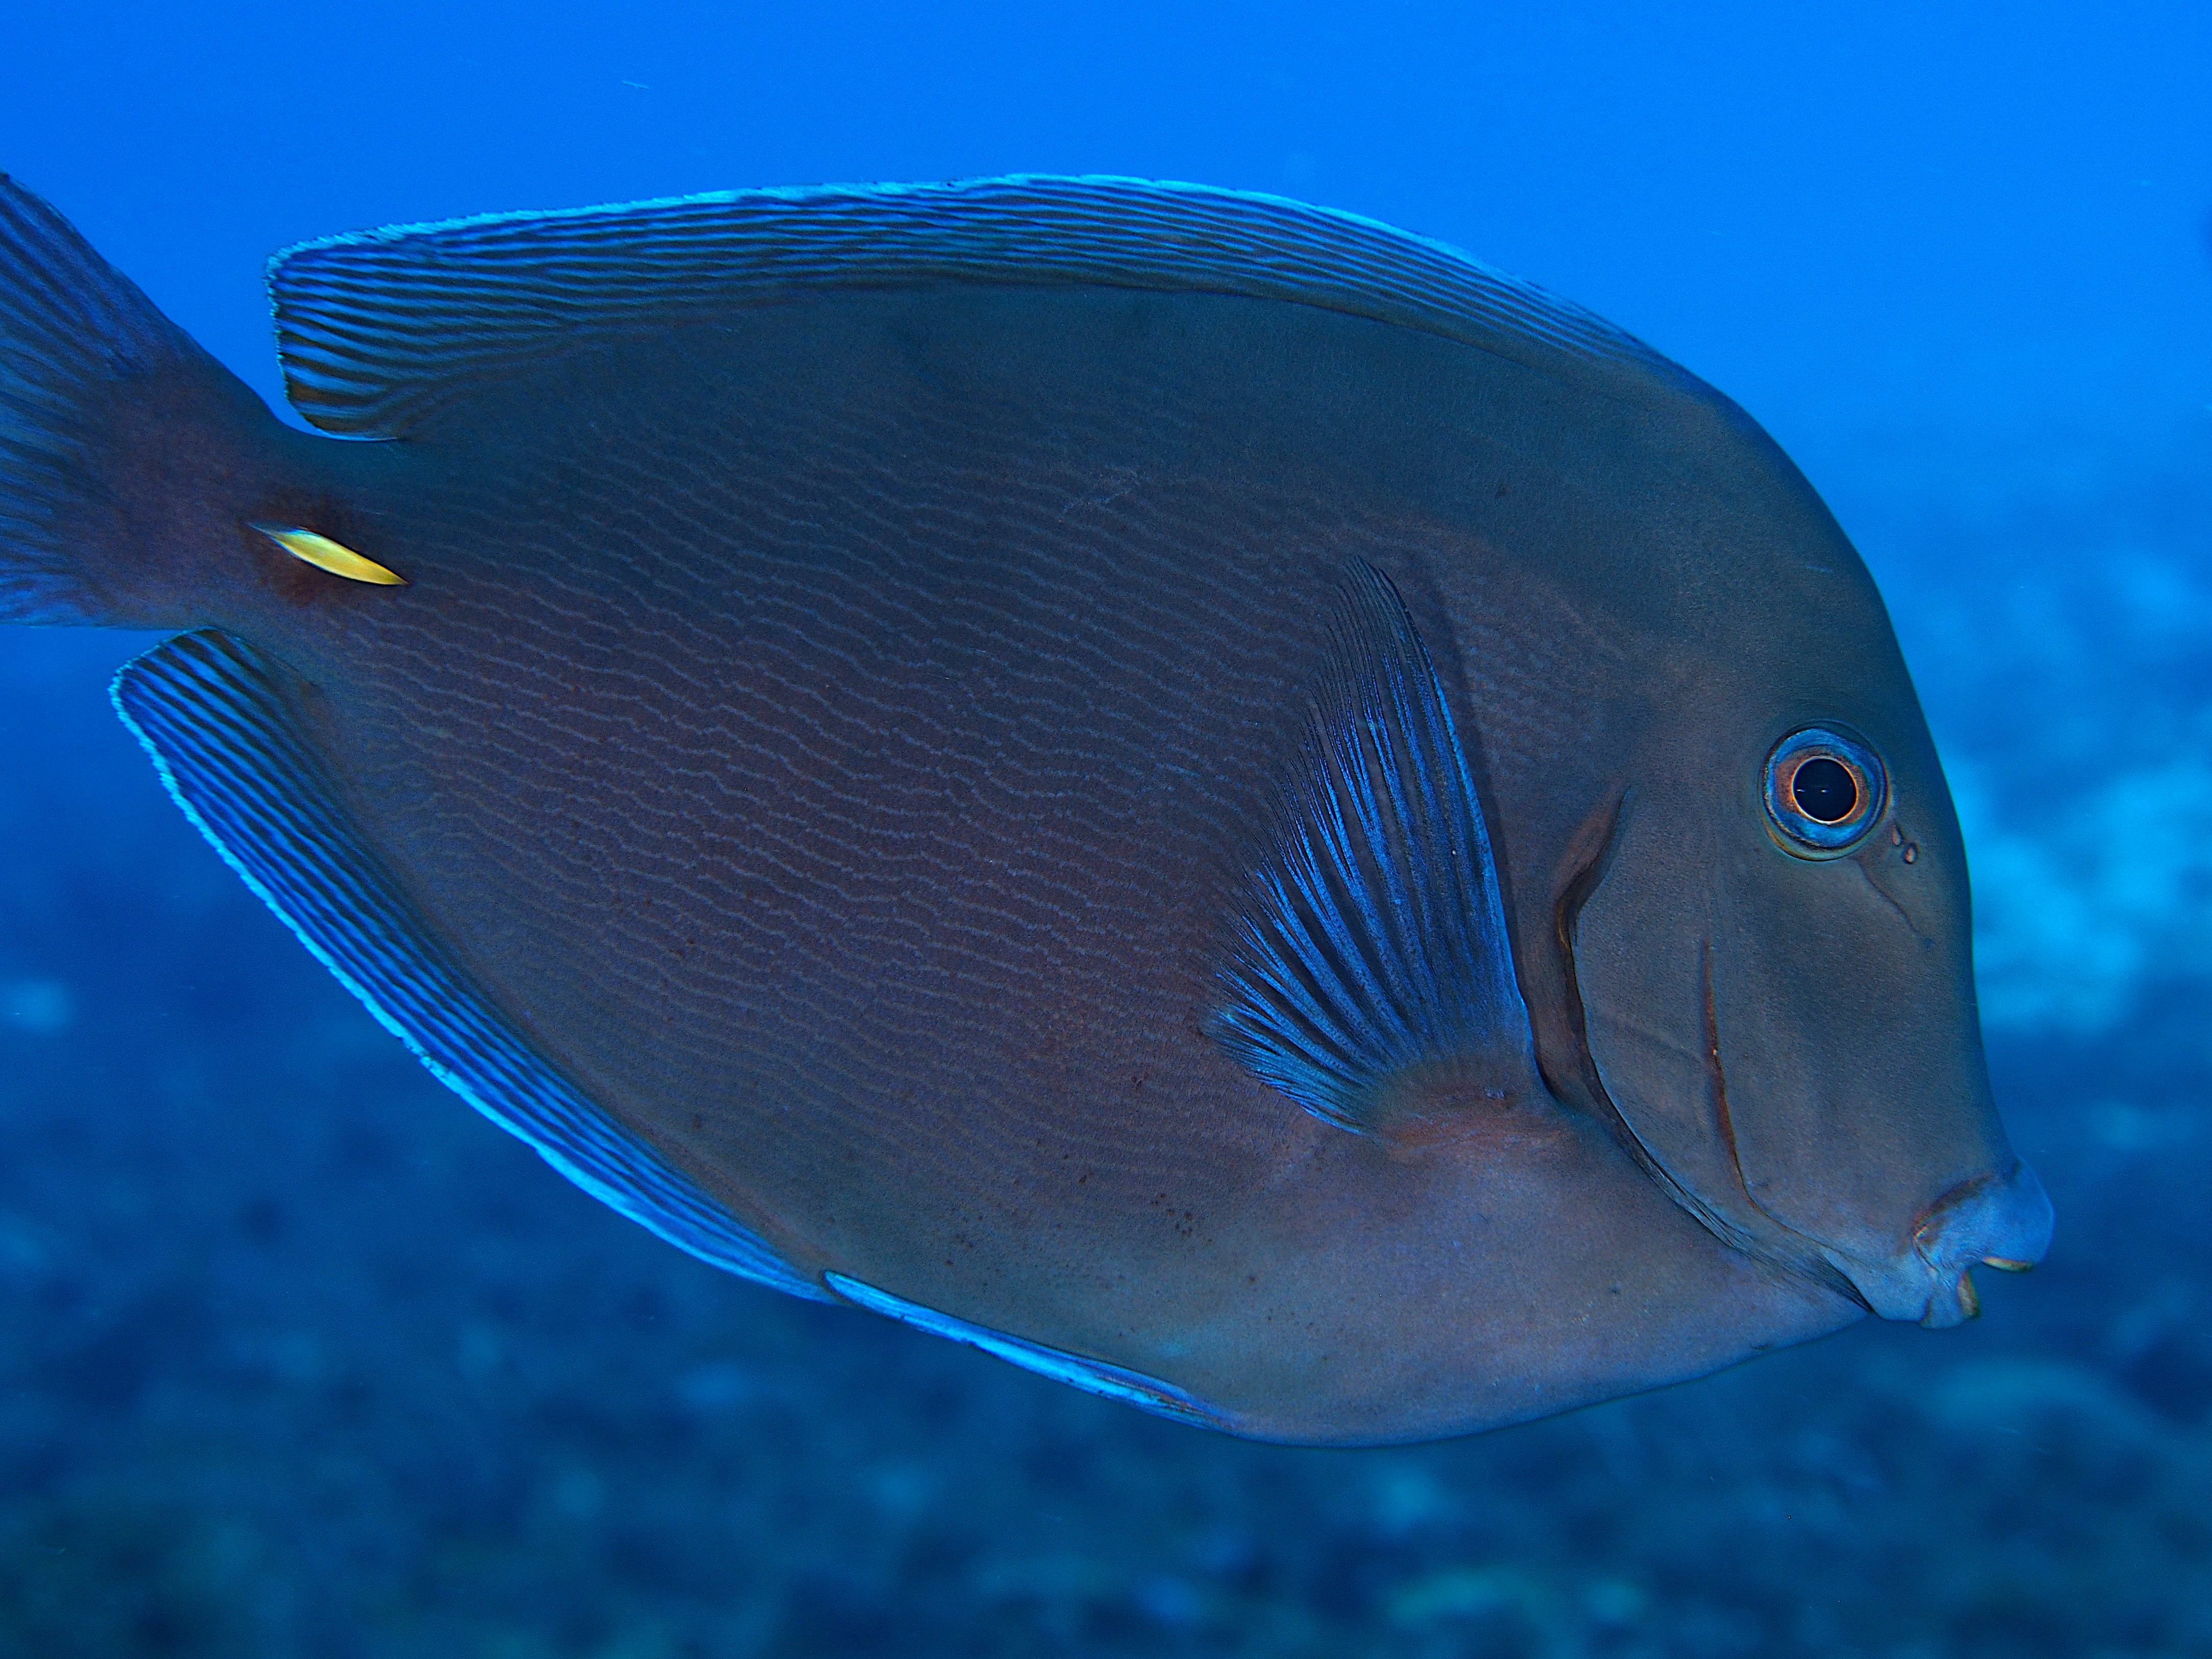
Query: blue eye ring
x,y
1827,789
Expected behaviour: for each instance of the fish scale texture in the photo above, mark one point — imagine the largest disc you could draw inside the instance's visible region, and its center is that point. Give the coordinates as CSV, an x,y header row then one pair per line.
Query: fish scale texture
x,y
891,753
220,733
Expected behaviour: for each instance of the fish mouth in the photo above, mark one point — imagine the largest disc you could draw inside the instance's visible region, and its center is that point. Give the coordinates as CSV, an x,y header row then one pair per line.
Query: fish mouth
x,y
2003,1220
2000,1221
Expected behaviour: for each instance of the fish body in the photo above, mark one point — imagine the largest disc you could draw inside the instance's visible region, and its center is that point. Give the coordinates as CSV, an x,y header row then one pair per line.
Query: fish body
x,y
1163,782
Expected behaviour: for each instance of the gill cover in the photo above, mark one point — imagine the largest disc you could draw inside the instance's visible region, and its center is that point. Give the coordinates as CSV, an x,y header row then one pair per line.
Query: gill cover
x,y
1792,1038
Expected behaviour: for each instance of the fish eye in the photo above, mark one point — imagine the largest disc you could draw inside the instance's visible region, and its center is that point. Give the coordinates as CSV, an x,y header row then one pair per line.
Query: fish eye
x,y
1826,789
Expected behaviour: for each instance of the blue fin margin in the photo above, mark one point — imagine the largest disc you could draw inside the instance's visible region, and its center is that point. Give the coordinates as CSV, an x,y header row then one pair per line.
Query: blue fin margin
x,y
225,742
1097,1376
377,328
1370,937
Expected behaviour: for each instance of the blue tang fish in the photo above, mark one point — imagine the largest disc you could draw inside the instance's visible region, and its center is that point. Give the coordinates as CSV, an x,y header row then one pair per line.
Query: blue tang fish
x,y
1211,798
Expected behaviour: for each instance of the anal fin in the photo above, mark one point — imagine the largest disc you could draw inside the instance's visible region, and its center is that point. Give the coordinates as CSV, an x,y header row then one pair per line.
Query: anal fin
x,y
1098,1377
224,738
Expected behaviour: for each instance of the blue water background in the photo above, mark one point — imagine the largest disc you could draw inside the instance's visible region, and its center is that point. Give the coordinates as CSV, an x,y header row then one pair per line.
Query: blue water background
x,y
299,1357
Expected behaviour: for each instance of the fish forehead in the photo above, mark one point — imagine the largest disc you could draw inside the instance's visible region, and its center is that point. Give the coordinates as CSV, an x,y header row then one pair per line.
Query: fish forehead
x,y
833,735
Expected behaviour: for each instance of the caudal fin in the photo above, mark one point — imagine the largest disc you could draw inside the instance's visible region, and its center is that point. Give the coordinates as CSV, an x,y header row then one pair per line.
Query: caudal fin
x,y
73,329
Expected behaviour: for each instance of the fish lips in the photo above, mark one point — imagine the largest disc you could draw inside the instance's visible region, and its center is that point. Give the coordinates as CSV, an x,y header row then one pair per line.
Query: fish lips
x,y
2003,1221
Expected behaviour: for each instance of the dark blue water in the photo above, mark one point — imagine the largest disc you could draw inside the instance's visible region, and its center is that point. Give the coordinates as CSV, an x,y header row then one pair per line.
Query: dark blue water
x,y
297,1355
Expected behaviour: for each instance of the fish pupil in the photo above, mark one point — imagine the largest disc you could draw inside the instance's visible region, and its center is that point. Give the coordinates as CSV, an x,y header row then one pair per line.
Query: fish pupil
x,y
1824,790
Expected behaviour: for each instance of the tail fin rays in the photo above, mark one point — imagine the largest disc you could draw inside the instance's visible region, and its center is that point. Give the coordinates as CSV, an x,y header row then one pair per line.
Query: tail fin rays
x,y
71,326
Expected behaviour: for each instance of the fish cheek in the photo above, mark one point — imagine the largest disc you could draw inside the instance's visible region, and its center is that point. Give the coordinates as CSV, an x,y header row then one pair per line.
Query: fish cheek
x,y
1844,1015
1642,947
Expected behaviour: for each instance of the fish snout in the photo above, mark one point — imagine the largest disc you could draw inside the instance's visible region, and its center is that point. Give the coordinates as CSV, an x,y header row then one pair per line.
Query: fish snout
x,y
2002,1221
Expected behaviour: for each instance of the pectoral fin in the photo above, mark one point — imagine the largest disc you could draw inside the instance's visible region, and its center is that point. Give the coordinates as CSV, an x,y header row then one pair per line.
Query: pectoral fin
x,y
1370,946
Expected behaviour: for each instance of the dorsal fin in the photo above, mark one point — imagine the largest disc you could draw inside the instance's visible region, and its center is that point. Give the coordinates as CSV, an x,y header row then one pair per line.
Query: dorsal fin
x,y
222,734
1370,940
377,328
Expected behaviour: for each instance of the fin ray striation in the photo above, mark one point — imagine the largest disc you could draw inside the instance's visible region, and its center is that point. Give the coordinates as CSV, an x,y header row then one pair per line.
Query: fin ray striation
x,y
74,331
378,328
1371,936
